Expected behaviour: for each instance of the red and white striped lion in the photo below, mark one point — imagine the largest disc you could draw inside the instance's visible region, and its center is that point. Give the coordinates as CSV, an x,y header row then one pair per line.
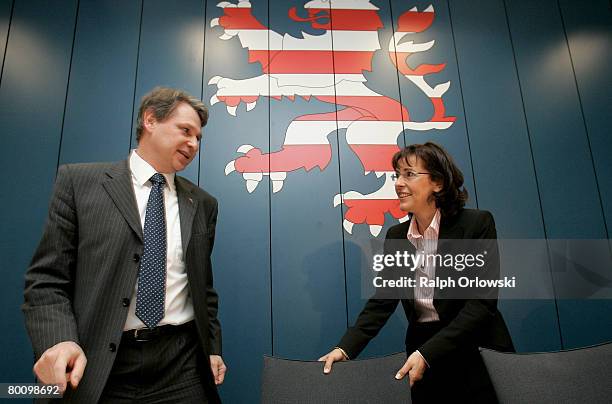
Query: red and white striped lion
x,y
329,67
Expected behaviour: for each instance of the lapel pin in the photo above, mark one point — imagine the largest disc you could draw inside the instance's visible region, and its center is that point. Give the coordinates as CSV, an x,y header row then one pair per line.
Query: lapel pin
x,y
191,201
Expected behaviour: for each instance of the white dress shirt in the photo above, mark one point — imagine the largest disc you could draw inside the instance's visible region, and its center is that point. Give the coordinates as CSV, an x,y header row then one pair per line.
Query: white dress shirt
x,y
425,244
178,305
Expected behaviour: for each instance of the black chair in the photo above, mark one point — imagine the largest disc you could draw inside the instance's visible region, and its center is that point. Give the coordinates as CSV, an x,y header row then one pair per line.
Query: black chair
x,y
355,381
581,375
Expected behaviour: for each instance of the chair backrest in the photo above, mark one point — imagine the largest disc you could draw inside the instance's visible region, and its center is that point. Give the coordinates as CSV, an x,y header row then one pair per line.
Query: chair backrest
x,y
355,381
581,375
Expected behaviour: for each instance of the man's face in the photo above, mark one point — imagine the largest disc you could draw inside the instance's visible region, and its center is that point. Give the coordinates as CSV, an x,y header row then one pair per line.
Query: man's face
x,y
173,143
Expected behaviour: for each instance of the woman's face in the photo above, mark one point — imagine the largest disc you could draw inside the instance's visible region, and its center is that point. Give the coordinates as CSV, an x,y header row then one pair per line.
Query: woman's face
x,y
414,186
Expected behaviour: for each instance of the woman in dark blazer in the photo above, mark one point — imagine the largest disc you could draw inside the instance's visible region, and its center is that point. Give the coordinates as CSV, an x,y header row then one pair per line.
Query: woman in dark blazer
x,y
445,329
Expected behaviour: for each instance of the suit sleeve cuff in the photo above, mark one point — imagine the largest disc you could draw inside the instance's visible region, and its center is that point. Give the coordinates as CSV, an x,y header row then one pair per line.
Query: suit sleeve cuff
x,y
343,353
421,355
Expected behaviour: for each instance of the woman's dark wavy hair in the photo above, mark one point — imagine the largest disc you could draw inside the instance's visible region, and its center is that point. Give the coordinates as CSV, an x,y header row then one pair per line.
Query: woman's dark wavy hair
x,y
442,169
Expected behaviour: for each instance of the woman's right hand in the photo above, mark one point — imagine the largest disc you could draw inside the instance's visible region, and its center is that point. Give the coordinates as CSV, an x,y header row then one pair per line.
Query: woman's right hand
x,y
336,355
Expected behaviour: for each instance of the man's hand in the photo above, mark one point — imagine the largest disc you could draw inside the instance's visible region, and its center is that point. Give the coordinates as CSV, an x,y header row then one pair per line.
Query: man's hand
x,y
335,355
61,364
415,366
218,368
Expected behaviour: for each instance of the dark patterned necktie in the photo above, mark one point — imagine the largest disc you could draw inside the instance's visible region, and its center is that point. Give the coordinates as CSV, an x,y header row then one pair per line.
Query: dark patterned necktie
x,y
151,293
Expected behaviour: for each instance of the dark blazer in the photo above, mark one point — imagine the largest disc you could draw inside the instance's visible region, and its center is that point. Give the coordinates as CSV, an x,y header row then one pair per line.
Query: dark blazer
x,y
87,263
467,323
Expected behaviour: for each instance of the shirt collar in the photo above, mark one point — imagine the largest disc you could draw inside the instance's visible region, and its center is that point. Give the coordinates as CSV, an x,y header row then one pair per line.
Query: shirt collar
x,y
142,171
413,231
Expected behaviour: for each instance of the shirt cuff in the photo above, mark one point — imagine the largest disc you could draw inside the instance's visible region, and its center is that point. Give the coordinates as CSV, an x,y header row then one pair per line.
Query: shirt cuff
x,y
427,363
343,353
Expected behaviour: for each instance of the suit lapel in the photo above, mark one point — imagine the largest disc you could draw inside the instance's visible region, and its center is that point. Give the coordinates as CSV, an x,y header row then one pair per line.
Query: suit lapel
x,y
120,189
187,209
401,243
450,229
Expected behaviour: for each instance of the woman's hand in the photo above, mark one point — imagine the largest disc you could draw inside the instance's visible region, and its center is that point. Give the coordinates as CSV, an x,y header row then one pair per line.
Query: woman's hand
x,y
336,355
415,366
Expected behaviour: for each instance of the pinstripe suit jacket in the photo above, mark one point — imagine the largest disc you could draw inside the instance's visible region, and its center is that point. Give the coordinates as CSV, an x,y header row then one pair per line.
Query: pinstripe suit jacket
x,y
87,263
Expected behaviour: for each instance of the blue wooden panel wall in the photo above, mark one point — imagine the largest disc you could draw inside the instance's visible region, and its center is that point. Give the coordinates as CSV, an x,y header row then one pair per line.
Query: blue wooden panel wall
x,y
101,85
311,259
592,25
241,259
569,191
6,8
530,86
506,183
32,99
588,36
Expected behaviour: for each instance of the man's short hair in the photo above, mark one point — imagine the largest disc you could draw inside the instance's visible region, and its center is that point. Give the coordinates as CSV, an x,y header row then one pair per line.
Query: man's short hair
x,y
162,101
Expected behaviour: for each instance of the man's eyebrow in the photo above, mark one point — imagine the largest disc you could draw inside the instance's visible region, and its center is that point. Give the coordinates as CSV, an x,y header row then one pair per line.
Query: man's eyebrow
x,y
190,125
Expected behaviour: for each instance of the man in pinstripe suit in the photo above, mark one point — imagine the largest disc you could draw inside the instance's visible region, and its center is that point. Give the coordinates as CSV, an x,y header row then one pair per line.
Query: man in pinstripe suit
x,y
82,289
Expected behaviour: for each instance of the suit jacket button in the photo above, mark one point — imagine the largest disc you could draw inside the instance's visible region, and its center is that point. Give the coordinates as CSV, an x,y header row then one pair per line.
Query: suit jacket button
x,y
112,347
125,302
136,257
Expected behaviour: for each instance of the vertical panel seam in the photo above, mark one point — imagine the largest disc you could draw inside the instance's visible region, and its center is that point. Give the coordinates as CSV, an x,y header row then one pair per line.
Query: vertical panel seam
x,y
586,129
397,72
74,33
270,192
8,32
535,171
331,26
467,130
136,74
202,84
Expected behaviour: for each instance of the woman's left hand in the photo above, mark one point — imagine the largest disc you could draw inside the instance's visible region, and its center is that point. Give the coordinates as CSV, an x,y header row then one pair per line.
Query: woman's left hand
x,y
415,366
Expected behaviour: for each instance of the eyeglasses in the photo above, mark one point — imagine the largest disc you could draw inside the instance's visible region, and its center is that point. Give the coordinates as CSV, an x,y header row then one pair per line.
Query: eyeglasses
x,y
406,176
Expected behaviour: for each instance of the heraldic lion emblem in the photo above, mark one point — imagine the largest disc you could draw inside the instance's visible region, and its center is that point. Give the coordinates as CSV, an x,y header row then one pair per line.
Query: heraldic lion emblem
x,y
329,67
